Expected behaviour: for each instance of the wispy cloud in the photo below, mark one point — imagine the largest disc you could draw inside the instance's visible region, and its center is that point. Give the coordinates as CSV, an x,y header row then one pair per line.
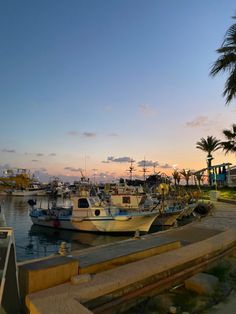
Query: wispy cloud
x,y
85,134
89,134
42,169
52,154
147,163
198,122
73,169
165,166
119,159
146,110
5,150
5,167
35,160
39,154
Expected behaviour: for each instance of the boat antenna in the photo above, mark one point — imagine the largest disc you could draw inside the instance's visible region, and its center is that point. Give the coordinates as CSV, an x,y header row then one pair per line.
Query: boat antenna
x,y
131,169
94,175
144,170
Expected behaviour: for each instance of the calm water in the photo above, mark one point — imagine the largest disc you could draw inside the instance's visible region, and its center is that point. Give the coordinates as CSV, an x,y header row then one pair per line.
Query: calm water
x,y
35,241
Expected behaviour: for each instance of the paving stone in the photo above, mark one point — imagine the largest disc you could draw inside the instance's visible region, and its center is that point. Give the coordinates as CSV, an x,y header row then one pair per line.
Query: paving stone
x,y
202,283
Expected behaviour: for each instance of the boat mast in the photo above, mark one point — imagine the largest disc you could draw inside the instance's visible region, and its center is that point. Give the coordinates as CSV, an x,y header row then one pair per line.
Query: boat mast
x,y
131,169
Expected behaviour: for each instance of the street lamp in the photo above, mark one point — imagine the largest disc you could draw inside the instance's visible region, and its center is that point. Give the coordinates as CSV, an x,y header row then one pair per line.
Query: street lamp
x,y
209,159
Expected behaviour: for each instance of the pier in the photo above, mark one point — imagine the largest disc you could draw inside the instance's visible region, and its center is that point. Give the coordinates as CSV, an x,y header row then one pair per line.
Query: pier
x,y
113,277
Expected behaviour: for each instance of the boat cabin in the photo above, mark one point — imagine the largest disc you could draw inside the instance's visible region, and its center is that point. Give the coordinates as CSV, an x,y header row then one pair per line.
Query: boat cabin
x,y
90,206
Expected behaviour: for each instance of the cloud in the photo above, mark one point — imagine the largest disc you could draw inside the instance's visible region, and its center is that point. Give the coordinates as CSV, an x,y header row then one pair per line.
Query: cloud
x,y
146,110
119,159
165,166
5,150
42,169
39,154
89,134
5,167
105,177
105,161
85,134
148,163
35,160
198,121
73,169
52,154
73,133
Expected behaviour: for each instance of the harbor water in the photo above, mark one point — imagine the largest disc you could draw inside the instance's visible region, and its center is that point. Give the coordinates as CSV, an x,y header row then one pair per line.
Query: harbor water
x,y
34,241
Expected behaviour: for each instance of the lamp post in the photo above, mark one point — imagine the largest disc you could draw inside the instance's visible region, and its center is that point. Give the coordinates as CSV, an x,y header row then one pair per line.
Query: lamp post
x,y
209,159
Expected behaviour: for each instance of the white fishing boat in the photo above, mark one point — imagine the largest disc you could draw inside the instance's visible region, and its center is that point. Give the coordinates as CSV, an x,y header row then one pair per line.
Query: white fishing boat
x,y
32,190
88,213
132,201
168,216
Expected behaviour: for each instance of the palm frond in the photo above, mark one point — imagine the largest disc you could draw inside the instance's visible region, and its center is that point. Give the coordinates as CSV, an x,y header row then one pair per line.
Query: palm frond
x,y
227,62
230,87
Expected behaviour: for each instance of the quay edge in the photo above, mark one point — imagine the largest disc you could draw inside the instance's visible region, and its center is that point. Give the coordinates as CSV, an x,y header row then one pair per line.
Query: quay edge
x,y
125,280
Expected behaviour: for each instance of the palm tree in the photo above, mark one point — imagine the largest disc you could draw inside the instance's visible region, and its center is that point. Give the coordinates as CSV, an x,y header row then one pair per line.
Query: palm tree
x,y
209,145
186,174
229,146
227,63
199,177
176,176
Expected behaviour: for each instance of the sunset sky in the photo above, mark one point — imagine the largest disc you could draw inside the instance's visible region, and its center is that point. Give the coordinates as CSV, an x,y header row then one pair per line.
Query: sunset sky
x,y
88,84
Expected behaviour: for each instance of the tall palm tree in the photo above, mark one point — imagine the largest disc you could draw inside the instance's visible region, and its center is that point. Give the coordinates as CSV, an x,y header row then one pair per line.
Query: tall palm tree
x,y
227,63
199,177
187,175
229,146
176,176
209,145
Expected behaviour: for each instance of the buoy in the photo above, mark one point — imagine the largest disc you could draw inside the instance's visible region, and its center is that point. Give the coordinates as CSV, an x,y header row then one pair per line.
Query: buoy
x,y
64,249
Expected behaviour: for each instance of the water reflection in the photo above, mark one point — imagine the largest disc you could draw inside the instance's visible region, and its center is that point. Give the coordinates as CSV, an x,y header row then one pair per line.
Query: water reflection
x,y
35,241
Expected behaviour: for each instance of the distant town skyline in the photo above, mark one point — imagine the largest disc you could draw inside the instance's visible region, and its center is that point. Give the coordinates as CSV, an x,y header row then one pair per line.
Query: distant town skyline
x,y
89,85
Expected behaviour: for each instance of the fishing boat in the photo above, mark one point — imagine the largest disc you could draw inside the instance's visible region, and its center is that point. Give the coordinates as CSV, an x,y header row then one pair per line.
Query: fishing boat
x,y
32,190
87,213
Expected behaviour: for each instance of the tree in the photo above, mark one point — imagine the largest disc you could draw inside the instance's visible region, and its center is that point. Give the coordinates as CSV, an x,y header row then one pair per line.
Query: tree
x,y
227,63
176,176
229,146
199,177
209,145
186,174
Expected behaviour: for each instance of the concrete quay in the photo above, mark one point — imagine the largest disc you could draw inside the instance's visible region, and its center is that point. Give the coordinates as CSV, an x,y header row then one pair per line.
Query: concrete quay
x,y
110,274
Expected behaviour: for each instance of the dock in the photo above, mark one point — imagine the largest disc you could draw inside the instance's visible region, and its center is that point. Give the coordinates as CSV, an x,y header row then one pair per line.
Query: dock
x,y
109,277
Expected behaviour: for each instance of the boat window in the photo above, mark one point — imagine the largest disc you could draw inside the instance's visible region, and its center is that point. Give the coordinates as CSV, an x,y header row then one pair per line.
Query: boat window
x,y
126,199
83,203
97,212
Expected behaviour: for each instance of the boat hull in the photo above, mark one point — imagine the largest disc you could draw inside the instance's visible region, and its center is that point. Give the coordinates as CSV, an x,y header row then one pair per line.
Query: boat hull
x,y
166,219
100,224
28,193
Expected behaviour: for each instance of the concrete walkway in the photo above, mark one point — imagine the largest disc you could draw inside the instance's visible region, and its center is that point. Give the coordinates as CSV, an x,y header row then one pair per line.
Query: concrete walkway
x,y
199,240
228,307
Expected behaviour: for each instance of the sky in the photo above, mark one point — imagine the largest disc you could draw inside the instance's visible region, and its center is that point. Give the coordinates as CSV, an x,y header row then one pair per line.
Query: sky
x,y
88,85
